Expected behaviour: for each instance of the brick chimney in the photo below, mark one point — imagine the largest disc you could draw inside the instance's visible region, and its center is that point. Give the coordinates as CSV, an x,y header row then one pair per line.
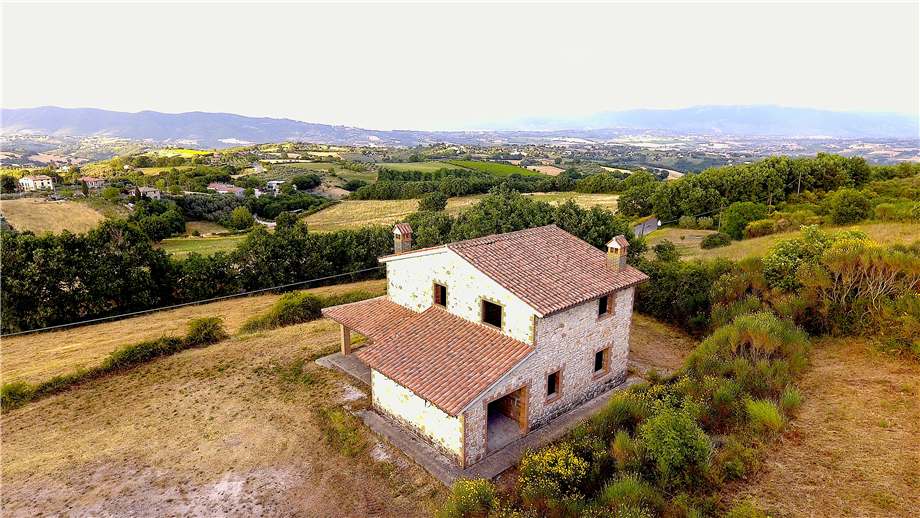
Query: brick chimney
x,y
402,238
617,250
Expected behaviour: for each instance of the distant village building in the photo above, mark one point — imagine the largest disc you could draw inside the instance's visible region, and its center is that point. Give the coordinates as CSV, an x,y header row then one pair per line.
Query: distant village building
x,y
36,182
226,188
478,343
92,182
151,193
275,186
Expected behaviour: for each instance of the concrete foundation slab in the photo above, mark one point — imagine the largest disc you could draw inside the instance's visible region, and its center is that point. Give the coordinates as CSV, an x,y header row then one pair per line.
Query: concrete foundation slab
x,y
349,365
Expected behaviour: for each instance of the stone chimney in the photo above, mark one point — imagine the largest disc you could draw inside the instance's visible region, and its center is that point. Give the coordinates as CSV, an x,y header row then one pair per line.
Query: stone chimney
x,y
402,238
617,250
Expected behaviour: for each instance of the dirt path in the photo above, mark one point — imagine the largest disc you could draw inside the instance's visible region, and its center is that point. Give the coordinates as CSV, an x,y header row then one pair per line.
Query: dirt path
x,y
855,448
225,430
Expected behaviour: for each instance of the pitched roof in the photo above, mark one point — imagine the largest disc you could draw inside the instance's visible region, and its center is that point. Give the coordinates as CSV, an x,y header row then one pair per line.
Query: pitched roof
x,y
403,228
546,267
444,359
374,318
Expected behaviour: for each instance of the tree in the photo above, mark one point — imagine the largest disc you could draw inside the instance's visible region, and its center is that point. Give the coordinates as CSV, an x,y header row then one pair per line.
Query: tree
x,y
84,188
738,215
240,219
638,200
306,182
7,183
847,206
433,201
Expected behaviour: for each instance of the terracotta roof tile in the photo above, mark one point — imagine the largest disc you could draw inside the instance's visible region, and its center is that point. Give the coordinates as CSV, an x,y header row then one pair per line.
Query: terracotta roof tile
x,y
403,228
546,267
444,359
373,318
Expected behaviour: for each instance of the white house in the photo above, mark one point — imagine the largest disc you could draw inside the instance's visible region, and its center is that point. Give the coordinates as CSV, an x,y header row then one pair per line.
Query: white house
x,y
151,193
226,188
482,341
36,182
92,182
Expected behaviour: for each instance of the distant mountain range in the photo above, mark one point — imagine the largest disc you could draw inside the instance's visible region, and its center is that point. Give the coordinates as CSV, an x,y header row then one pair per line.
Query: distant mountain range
x,y
207,130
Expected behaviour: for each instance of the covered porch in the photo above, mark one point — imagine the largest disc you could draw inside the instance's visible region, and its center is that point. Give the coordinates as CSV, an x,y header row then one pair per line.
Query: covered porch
x,y
372,318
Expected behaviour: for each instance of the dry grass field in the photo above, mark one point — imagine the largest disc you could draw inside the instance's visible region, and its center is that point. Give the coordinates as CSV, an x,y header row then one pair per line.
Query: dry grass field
x,y
180,247
39,215
234,429
204,228
889,232
854,450
37,357
656,345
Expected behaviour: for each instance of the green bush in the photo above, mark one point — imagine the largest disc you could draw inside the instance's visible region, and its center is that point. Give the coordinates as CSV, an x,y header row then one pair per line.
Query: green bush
x,y
761,227
240,219
790,401
205,331
745,510
291,308
688,222
847,206
764,416
470,498
623,410
433,201
737,216
716,240
15,393
141,352
782,262
666,251
625,451
705,223
733,461
551,474
630,490
677,447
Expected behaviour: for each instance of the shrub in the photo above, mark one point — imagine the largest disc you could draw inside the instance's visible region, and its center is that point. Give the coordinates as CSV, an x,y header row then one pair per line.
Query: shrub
x,y
733,461
470,498
705,223
623,410
205,331
716,240
847,206
739,214
291,308
677,446
354,185
783,260
550,474
433,201
790,401
764,416
761,227
666,251
625,451
306,181
630,490
240,219
745,510
688,222
141,352
15,393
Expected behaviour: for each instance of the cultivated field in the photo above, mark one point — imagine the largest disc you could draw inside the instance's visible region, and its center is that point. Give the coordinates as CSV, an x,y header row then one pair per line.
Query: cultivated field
x,y
425,167
204,227
37,357
357,213
881,232
550,170
40,215
182,246
854,449
494,168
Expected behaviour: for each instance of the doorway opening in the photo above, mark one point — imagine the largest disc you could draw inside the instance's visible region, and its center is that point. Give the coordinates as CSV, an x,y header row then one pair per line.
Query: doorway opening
x,y
506,419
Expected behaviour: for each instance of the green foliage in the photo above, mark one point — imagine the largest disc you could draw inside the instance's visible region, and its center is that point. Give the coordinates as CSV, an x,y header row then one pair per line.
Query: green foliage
x,y
790,401
679,291
745,510
764,416
205,331
305,182
631,491
719,239
705,223
688,222
469,499
847,206
434,201
141,352
760,227
638,200
599,183
551,474
8,184
783,260
298,307
737,216
15,393
666,251
240,219
677,447
354,185
494,168
734,460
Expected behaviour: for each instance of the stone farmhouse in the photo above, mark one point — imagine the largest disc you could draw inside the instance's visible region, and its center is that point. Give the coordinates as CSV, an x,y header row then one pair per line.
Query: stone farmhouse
x,y
36,182
479,342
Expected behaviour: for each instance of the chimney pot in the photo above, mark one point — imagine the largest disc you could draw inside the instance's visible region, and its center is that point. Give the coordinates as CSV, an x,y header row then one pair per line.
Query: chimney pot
x,y
617,250
402,238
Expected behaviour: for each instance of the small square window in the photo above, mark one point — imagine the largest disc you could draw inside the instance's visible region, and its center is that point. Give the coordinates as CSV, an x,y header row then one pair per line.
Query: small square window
x,y
552,384
601,360
440,294
492,313
603,305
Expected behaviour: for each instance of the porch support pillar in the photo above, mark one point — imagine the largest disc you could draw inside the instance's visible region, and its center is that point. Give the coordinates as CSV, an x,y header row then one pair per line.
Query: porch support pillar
x,y
346,340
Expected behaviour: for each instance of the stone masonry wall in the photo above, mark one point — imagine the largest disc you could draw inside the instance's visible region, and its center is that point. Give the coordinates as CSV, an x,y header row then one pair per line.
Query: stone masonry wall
x,y
566,341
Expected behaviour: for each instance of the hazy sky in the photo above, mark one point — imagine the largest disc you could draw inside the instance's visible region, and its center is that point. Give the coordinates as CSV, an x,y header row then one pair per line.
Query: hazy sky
x,y
458,66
